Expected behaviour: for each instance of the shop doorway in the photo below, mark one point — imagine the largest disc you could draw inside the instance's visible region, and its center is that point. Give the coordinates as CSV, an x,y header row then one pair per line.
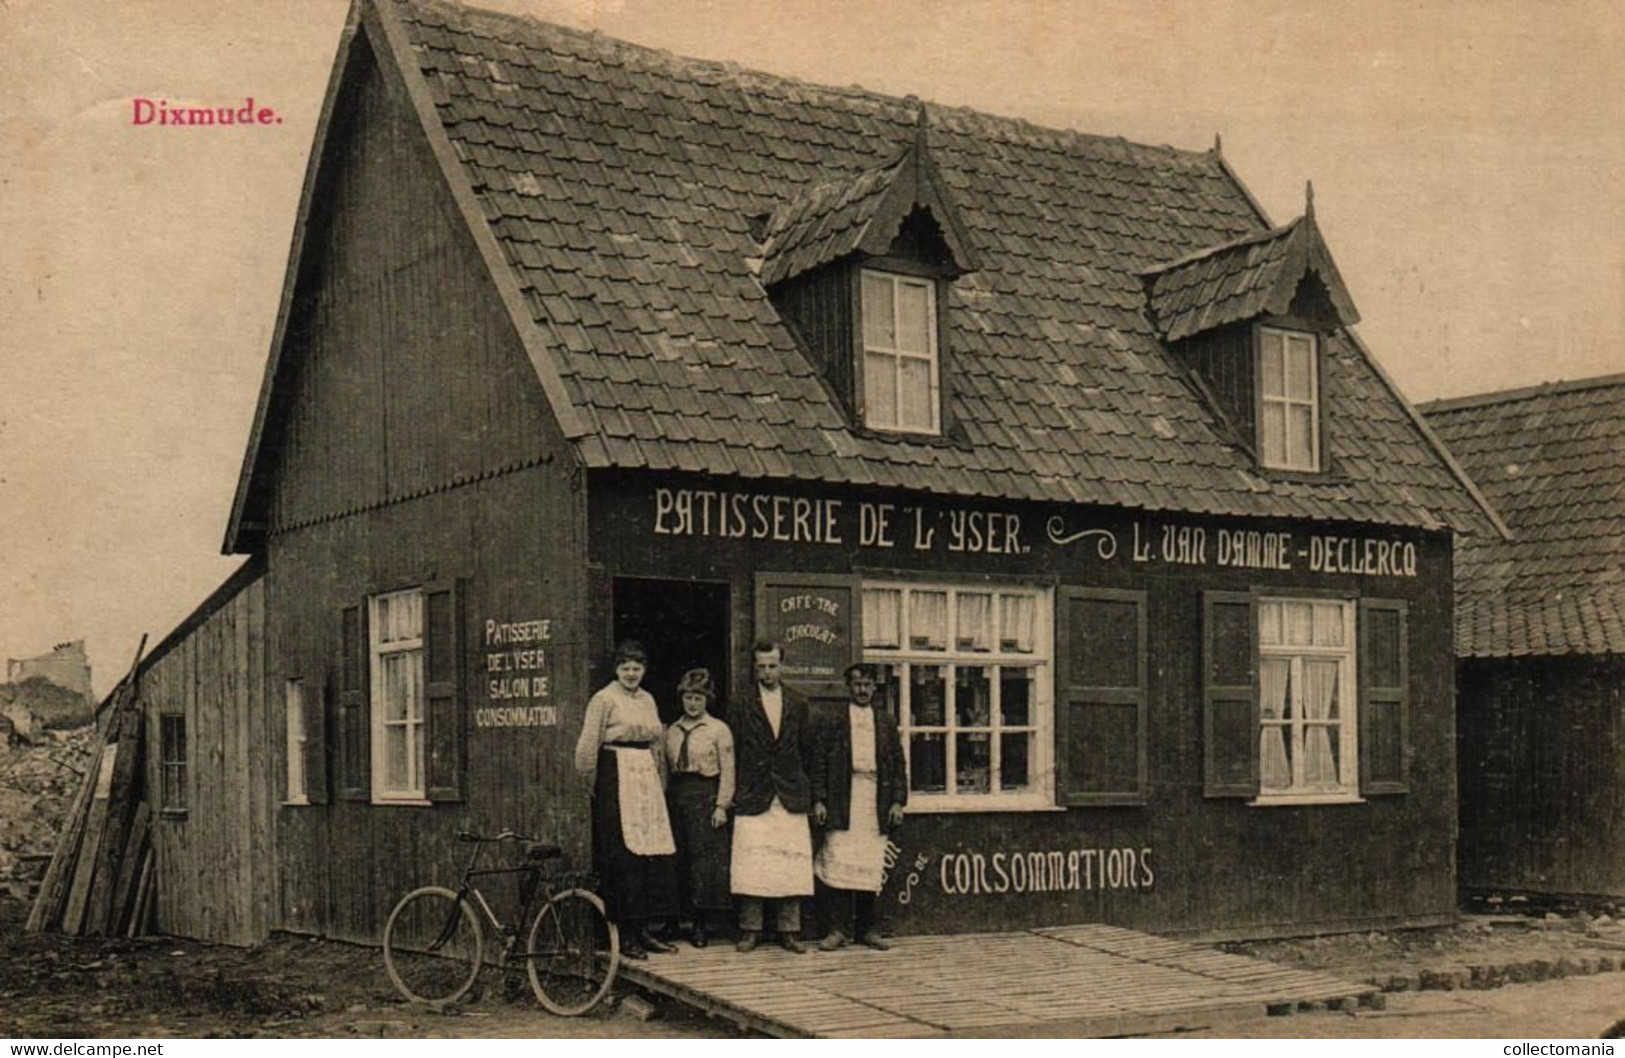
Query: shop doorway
x,y
683,624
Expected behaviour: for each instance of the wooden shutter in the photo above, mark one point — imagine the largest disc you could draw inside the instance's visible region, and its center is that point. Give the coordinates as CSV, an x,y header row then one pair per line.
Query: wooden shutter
x,y
443,699
1230,720
818,619
317,701
1101,698
354,725
1384,679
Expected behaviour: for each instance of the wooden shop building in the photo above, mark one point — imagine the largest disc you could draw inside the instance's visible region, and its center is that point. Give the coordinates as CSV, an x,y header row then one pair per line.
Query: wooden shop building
x,y
1540,640
581,341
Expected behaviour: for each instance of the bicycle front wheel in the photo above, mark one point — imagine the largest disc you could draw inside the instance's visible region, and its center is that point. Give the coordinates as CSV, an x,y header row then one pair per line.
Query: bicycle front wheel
x,y
433,946
573,953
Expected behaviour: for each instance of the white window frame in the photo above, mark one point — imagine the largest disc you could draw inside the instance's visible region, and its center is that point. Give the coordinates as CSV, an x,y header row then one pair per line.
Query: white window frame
x,y
897,356
293,698
1041,660
1295,724
1308,344
414,791
174,750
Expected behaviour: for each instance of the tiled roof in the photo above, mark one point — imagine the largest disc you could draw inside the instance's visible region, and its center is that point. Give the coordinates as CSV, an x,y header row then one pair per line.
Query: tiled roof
x,y
823,224
1243,279
1551,459
620,184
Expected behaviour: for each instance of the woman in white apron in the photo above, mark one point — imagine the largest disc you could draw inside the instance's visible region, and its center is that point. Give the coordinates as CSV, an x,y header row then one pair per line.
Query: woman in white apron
x,y
632,849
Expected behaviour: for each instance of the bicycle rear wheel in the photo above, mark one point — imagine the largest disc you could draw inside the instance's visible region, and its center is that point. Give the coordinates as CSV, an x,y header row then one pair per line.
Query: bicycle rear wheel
x,y
572,953
432,946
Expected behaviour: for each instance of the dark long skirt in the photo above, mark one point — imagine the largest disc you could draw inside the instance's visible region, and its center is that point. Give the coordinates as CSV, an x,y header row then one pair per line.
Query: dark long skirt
x,y
702,850
636,889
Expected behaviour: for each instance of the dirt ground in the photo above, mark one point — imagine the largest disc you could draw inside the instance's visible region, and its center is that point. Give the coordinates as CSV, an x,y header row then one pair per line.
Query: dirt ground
x,y
1506,942
54,986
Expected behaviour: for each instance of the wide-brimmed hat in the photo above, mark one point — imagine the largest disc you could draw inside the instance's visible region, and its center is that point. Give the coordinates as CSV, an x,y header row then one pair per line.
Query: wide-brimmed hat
x,y
697,681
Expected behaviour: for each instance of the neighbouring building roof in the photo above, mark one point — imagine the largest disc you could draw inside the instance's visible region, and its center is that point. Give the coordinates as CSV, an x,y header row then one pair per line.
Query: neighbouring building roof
x,y
624,190
1551,459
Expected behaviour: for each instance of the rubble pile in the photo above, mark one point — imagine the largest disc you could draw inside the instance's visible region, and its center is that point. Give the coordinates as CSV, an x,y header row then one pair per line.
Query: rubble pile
x,y
38,785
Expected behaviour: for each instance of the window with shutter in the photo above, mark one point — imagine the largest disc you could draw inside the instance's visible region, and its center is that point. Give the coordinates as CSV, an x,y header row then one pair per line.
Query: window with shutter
x,y
1230,717
1101,698
1306,700
1384,698
443,706
352,722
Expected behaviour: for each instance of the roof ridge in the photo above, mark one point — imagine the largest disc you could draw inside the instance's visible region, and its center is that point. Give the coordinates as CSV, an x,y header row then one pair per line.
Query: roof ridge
x,y
1211,251
1511,396
908,105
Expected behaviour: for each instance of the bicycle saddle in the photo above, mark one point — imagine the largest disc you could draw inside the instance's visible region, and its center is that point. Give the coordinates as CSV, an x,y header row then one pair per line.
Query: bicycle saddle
x,y
535,850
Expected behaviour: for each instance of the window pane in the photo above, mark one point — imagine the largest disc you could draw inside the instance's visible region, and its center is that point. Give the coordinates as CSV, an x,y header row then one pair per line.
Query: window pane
x,y
928,620
1274,687
400,684
1300,366
974,763
878,330
928,763
880,390
1329,631
1297,618
1273,371
973,697
913,318
400,617
882,615
1273,434
1321,751
395,777
1017,622
915,398
888,692
1275,758
1320,690
975,627
1269,624
927,696
1301,427
295,706
1014,763
1016,696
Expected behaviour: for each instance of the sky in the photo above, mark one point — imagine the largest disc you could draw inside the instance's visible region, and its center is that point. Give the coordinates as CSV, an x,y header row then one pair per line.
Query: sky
x,y
1466,158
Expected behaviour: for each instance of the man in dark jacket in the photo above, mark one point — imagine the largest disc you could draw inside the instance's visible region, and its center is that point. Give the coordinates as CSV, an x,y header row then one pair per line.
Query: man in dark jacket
x,y
772,845
859,788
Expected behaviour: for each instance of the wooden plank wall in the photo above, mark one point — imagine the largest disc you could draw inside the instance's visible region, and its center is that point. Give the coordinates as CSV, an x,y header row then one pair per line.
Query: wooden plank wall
x,y
1542,765
1221,866
212,861
418,446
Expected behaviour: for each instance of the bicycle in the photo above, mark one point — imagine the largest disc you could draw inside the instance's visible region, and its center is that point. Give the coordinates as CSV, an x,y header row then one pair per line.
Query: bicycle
x,y
434,944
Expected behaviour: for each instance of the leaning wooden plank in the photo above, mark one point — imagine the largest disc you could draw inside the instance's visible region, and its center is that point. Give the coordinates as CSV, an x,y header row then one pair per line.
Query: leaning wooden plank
x,y
73,915
134,851
143,896
47,910
122,805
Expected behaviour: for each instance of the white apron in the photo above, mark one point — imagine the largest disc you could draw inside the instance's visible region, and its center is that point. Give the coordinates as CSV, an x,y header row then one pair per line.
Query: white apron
x,y
855,858
645,827
772,854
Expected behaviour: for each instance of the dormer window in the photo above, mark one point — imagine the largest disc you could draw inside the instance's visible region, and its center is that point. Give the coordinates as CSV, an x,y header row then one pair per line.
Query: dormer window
x,y
1247,319
901,372
1289,400
860,267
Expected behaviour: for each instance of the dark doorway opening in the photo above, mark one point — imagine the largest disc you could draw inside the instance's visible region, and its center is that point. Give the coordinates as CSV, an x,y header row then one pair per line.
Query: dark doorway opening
x,y
683,624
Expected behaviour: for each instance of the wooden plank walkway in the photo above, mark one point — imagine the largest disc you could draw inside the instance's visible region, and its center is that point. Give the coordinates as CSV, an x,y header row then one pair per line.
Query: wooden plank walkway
x,y
1089,975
